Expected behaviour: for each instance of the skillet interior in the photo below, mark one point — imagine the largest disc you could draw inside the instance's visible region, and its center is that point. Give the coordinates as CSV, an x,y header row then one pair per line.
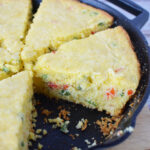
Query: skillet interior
x,y
56,140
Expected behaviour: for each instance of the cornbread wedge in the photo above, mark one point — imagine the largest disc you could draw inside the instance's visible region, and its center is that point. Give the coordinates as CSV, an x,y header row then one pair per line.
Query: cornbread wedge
x,y
14,22
59,21
101,71
15,111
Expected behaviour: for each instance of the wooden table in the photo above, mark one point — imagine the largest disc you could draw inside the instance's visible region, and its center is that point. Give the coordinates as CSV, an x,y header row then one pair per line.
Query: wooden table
x,y
140,138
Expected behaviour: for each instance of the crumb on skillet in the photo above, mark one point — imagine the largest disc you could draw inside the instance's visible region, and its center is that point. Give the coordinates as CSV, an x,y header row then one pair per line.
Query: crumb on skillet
x,y
93,144
72,136
82,124
108,125
46,112
76,148
40,146
64,113
63,125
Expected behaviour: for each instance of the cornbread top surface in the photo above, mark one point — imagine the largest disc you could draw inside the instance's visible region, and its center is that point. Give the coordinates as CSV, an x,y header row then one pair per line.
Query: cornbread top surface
x,y
15,92
106,51
14,21
59,21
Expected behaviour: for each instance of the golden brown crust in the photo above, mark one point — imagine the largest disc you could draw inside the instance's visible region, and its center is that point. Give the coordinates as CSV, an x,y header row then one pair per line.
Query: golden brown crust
x,y
132,47
123,31
83,6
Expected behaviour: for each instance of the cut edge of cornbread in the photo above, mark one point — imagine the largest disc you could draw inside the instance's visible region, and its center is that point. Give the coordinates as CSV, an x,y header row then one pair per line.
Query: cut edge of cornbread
x,y
45,83
28,22
15,111
30,54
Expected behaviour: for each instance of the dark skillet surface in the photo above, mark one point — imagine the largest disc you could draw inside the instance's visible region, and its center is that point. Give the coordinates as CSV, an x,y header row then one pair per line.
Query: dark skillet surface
x,y
56,140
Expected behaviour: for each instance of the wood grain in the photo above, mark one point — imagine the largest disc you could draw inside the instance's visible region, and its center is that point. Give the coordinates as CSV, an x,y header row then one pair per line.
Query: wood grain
x,y
140,138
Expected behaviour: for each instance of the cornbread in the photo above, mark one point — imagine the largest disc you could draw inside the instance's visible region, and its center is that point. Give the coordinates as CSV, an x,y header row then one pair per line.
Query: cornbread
x,y
101,71
15,110
60,21
14,22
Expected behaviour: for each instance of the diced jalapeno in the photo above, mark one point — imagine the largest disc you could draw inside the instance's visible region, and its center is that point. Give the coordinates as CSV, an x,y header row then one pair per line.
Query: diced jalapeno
x,y
122,94
75,38
79,88
21,115
64,93
114,44
92,103
5,69
84,11
101,24
64,127
45,77
22,144
93,13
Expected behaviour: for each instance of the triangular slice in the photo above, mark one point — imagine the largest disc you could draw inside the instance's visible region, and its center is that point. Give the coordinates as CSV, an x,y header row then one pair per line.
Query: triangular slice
x,y
15,111
59,21
101,71
14,22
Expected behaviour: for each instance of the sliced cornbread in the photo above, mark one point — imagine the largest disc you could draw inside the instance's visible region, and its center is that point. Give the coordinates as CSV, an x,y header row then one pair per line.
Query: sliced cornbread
x,y
14,22
15,111
59,21
101,71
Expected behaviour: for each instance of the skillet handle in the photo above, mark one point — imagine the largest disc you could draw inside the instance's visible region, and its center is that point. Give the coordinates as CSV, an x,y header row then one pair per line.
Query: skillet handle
x,y
141,14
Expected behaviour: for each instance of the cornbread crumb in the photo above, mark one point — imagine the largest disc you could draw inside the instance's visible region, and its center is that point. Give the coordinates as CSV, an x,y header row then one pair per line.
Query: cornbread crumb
x,y
63,113
40,146
34,113
46,112
79,125
44,132
93,144
76,134
32,136
82,124
38,136
63,125
38,131
57,120
108,125
76,148
87,141
45,120
72,136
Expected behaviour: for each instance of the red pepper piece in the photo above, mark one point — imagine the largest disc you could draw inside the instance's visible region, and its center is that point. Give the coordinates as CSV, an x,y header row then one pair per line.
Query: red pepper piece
x,y
130,92
52,85
65,87
53,52
118,70
92,32
112,91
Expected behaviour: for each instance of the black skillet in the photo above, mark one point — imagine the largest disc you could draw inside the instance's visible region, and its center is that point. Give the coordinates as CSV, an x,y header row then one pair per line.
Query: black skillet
x,y
56,140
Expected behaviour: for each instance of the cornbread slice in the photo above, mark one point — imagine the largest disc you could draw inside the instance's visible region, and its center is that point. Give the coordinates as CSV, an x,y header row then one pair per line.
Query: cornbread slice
x,y
59,21
101,71
14,22
15,111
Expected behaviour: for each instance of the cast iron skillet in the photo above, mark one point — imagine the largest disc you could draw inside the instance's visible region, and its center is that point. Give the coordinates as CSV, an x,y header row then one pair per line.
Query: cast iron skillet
x,y
57,140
